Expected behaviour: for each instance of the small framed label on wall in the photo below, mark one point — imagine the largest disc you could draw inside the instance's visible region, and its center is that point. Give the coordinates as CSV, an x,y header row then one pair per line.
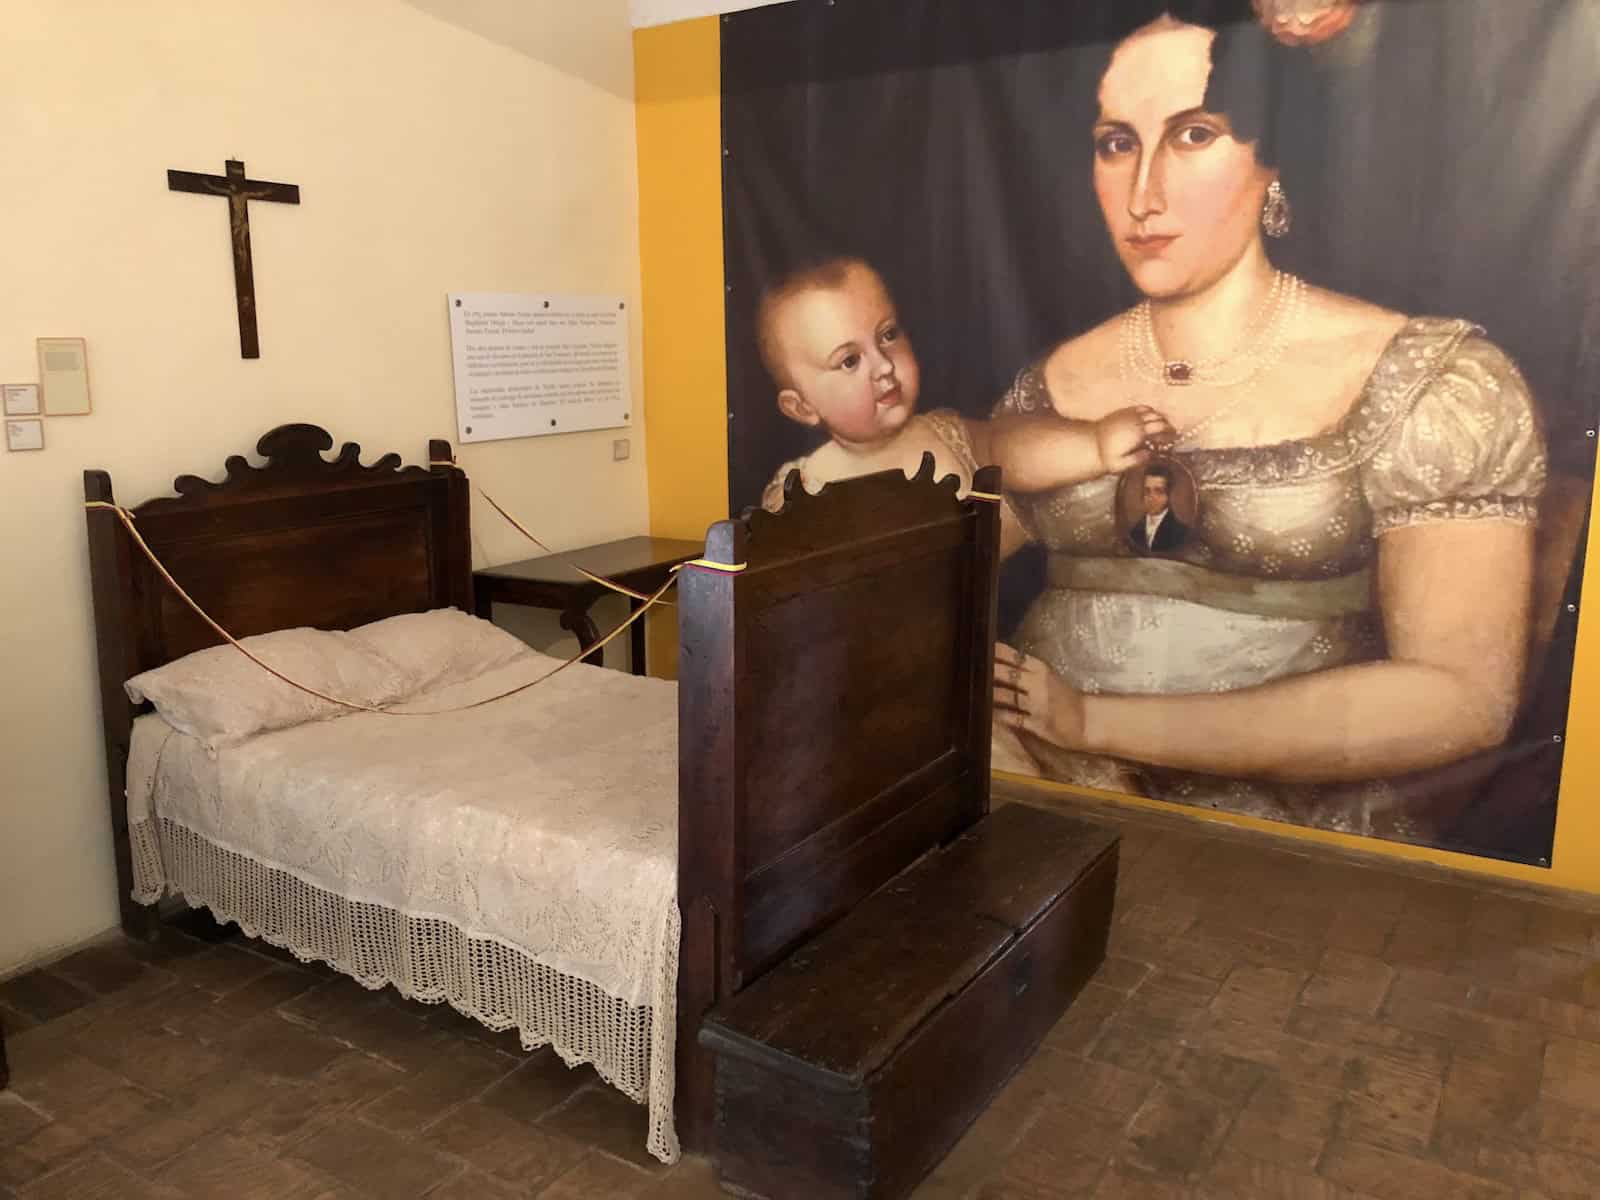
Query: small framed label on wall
x,y
64,376
25,435
21,399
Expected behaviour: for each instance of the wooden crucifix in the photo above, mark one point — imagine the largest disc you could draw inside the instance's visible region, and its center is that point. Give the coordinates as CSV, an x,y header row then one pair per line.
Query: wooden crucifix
x,y
239,191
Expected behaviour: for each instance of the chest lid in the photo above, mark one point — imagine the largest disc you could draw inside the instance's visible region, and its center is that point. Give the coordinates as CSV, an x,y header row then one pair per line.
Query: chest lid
x,y
839,1006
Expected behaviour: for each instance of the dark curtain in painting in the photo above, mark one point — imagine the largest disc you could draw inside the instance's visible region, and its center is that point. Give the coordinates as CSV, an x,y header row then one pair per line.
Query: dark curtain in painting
x,y
1442,160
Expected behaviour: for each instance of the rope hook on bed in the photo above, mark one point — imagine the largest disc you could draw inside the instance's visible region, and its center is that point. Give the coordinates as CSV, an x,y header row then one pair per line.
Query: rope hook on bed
x,y
609,584
647,603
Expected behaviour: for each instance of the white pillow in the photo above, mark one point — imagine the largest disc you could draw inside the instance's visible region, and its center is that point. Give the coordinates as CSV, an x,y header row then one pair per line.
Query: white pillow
x,y
445,646
221,697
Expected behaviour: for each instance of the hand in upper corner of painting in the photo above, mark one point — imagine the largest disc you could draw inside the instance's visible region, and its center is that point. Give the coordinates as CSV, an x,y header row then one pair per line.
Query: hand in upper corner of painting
x,y
1305,22
1029,696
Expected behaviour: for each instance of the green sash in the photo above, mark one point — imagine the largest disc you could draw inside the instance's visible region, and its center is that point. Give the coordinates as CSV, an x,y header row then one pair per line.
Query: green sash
x,y
1296,599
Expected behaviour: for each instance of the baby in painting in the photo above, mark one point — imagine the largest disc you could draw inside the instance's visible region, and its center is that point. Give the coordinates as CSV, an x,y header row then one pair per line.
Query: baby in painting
x,y
831,340
832,343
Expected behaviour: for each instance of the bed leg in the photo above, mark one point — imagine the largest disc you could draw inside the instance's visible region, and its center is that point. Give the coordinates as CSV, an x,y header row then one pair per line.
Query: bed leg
x,y
141,922
697,993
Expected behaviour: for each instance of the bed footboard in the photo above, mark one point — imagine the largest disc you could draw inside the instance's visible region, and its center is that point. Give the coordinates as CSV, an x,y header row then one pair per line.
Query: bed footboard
x,y
834,721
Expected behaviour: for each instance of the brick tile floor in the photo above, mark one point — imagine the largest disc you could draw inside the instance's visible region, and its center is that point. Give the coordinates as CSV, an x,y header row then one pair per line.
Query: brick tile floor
x,y
1273,1021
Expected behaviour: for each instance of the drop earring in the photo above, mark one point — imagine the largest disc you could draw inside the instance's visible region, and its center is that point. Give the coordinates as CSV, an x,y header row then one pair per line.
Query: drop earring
x,y
1276,215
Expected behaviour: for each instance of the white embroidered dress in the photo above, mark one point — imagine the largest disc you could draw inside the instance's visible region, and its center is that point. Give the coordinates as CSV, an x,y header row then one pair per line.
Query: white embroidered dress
x,y
1276,580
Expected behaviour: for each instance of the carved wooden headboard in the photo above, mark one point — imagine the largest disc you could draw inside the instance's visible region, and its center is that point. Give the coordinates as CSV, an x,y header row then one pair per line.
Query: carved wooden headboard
x,y
300,541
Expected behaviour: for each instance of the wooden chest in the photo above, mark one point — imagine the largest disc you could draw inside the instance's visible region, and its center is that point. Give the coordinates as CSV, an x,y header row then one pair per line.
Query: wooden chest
x,y
852,1067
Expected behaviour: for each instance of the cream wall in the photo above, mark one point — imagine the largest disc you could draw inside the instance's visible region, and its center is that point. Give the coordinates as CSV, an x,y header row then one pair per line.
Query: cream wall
x,y
496,152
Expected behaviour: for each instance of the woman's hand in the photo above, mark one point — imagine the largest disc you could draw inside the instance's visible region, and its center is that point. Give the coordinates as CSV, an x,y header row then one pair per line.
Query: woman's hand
x,y
1030,696
1127,437
1305,22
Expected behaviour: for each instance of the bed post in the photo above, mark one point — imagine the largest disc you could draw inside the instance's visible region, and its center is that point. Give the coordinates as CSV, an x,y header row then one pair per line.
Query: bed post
x,y
458,521
709,677
111,581
985,630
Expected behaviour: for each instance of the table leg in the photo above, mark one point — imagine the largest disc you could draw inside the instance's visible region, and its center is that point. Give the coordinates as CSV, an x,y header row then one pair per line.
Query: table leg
x,y
636,638
576,621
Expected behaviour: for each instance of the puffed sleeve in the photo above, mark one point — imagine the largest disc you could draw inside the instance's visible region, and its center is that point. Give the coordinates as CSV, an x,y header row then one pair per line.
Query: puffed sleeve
x,y
949,428
1470,448
1027,394
772,494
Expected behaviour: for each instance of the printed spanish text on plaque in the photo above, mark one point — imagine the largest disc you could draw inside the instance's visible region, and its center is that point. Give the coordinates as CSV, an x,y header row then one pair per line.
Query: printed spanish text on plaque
x,y
529,364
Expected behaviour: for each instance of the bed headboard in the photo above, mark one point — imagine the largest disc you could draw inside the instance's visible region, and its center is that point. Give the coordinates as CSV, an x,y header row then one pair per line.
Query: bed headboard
x,y
300,540
834,706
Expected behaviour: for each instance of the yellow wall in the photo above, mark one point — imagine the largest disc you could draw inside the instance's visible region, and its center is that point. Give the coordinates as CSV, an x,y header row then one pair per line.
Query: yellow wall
x,y
429,156
680,251
681,222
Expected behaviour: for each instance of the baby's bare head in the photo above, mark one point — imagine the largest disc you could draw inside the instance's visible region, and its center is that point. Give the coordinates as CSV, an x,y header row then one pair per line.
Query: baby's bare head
x,y
831,340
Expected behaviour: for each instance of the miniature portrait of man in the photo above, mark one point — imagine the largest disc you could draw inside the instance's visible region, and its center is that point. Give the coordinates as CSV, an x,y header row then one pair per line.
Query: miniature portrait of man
x,y
1159,530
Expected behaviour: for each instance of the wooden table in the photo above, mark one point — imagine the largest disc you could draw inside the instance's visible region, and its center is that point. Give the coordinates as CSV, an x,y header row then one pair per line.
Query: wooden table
x,y
640,563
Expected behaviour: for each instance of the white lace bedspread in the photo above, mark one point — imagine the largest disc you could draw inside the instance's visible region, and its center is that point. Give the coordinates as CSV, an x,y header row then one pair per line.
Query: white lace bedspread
x,y
544,824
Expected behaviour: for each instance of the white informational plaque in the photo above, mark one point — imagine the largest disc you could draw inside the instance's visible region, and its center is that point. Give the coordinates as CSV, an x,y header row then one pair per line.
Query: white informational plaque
x,y
527,365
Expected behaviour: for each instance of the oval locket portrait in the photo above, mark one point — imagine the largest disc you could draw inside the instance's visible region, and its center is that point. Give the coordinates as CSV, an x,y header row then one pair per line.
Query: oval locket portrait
x,y
1158,507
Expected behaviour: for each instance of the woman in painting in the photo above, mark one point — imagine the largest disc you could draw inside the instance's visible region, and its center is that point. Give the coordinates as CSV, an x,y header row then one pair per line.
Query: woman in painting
x,y
1351,602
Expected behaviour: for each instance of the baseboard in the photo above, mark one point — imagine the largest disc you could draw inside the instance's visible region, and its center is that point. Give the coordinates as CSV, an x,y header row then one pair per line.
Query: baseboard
x,y
1052,795
45,958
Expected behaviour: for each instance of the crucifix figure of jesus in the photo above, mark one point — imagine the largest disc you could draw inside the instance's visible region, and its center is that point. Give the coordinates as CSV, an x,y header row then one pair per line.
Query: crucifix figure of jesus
x,y
239,191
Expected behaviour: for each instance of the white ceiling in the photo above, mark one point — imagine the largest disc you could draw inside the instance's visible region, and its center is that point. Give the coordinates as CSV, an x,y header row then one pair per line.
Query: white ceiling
x,y
588,39
660,12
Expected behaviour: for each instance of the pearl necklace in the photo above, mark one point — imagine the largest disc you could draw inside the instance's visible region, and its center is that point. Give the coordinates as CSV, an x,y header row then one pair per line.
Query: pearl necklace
x,y
1283,307
1263,345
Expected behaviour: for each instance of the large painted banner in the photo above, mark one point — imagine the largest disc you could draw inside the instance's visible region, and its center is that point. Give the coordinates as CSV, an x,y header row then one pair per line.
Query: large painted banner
x,y
1280,317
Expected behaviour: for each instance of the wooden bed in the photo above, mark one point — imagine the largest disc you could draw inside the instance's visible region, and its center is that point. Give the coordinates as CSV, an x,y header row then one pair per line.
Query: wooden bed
x,y
834,692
